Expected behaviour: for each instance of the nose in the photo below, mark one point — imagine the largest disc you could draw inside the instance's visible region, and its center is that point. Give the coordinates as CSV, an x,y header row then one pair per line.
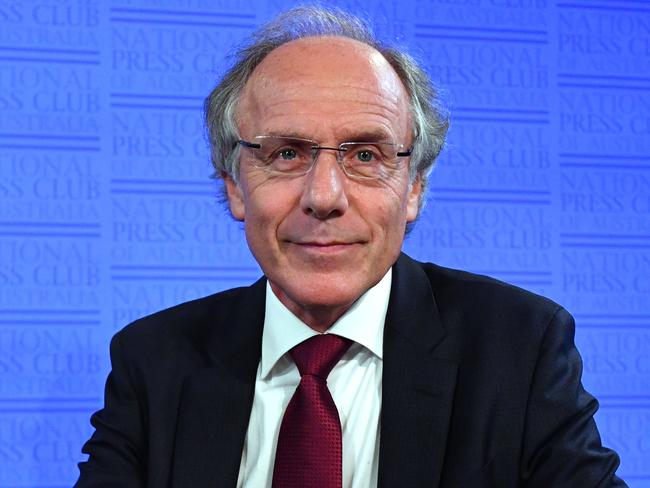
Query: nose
x,y
324,195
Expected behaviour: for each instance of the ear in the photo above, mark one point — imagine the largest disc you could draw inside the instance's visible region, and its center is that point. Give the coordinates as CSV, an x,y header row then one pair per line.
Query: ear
x,y
235,197
413,199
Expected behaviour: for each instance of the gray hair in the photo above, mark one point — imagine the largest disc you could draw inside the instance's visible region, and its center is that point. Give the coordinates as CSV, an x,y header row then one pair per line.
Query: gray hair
x,y
429,121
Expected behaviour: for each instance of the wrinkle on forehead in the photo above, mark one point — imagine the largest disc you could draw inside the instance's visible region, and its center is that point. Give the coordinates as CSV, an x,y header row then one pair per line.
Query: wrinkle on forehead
x,y
334,90
343,73
342,56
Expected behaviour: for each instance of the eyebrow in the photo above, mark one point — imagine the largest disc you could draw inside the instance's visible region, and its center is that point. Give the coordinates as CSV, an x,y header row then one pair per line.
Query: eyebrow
x,y
364,135
371,135
287,133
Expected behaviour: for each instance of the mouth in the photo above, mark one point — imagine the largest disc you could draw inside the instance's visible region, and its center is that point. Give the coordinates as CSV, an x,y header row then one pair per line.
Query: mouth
x,y
329,247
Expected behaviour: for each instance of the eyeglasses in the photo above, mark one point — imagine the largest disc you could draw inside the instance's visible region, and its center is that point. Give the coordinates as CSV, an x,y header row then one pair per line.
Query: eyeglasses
x,y
292,156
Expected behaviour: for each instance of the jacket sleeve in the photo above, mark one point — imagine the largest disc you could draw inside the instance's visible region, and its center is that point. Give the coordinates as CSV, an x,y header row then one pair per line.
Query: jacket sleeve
x,y
562,446
116,450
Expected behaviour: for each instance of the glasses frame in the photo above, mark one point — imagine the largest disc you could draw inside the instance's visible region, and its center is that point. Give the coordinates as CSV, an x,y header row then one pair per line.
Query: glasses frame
x,y
317,148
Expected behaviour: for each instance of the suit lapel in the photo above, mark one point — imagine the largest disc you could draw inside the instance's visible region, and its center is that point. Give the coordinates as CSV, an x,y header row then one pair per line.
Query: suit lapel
x,y
418,383
216,401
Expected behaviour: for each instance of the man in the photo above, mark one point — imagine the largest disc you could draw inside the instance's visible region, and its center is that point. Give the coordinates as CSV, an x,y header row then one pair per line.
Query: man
x,y
324,140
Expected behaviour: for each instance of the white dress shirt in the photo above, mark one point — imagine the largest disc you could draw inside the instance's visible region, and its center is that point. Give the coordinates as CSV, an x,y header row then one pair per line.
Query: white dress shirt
x,y
355,384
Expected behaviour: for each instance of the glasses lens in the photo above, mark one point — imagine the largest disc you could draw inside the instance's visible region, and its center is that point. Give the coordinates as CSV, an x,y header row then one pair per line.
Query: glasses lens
x,y
284,154
369,160
295,156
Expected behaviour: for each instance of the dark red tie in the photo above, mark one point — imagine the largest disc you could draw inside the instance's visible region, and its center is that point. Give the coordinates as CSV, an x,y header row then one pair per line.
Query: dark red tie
x,y
309,444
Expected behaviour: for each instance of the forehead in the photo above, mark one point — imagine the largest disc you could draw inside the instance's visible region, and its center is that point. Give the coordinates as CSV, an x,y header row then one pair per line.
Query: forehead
x,y
321,80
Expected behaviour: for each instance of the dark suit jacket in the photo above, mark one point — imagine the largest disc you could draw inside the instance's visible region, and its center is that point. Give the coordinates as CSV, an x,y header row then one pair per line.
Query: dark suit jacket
x,y
481,388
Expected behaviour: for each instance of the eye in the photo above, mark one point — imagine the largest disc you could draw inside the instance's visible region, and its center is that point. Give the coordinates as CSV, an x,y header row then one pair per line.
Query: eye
x,y
365,156
288,154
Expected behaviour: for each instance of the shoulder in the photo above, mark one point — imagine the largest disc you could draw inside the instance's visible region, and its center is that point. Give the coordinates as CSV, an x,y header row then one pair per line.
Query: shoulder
x,y
481,306
491,327
483,291
456,285
190,325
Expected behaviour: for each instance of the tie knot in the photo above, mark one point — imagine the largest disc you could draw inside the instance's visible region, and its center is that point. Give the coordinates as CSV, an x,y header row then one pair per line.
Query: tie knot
x,y
319,354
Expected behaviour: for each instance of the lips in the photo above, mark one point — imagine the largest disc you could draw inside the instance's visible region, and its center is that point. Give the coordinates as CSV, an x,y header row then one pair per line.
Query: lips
x,y
324,240
325,244
325,248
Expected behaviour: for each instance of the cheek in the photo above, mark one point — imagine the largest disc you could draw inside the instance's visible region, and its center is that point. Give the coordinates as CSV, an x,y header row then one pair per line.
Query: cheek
x,y
261,231
267,205
384,212
398,198
407,193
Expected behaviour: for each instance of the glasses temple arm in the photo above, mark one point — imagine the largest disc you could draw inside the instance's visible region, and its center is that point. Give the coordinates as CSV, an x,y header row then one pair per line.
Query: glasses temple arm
x,y
405,153
252,145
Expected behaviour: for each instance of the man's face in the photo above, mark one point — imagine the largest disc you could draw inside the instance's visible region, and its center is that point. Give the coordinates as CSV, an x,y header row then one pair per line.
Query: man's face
x,y
323,239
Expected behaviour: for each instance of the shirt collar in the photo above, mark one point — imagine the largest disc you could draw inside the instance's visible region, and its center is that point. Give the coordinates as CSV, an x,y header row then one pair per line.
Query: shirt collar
x,y
363,323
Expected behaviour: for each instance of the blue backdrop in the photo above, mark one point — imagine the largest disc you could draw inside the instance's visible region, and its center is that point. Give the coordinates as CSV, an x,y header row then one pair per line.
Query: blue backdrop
x,y
107,212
